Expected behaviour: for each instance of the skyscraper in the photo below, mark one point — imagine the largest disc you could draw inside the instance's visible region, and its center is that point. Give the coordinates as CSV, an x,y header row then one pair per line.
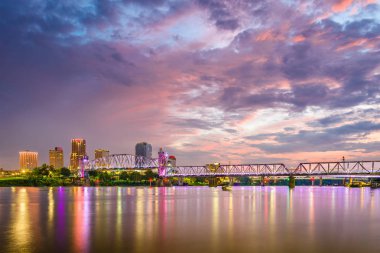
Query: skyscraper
x,y
99,153
143,149
28,160
56,157
78,152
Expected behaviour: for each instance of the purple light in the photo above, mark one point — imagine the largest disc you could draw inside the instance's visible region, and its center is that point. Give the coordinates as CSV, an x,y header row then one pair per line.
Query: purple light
x,y
162,160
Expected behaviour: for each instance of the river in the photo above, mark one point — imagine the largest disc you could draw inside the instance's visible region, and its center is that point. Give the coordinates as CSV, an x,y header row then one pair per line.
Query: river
x,y
189,219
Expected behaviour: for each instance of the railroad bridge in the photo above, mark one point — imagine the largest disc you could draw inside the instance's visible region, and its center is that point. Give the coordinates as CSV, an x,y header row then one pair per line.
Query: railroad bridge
x,y
317,169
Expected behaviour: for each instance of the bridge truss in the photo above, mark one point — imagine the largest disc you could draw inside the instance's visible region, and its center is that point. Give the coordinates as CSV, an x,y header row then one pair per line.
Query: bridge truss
x,y
338,169
275,169
122,161
349,168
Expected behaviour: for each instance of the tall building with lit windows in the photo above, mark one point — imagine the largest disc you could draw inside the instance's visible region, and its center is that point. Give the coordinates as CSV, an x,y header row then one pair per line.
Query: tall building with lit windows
x,y
100,153
28,160
78,152
56,157
143,149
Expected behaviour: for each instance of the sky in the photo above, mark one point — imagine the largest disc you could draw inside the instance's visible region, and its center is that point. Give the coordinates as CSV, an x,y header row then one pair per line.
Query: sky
x,y
208,80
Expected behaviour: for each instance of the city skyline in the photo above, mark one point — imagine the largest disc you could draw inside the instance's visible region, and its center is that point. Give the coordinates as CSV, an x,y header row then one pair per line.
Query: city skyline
x,y
209,81
56,155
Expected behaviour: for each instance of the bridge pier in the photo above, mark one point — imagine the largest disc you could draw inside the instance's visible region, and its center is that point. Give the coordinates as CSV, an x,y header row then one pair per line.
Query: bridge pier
x,y
320,181
213,182
163,182
262,180
231,179
292,182
180,181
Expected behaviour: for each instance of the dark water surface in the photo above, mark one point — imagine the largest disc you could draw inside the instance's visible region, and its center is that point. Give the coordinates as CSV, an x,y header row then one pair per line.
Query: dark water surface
x,y
189,219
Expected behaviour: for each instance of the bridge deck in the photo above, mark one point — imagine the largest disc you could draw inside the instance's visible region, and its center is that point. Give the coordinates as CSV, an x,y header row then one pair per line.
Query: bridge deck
x,y
346,168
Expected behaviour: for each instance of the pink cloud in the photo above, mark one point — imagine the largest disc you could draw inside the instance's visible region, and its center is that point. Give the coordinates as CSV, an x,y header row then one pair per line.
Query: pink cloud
x,y
342,5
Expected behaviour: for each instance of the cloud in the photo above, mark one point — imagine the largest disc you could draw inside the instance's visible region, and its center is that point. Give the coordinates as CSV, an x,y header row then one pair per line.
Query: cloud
x,y
221,12
328,139
192,123
127,71
341,5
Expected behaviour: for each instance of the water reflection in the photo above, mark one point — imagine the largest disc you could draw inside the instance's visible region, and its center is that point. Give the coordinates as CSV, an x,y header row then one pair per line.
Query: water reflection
x,y
20,235
139,219
215,220
189,219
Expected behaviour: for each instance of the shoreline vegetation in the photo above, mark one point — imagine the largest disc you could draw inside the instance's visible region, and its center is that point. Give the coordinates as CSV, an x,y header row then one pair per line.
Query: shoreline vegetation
x,y
48,176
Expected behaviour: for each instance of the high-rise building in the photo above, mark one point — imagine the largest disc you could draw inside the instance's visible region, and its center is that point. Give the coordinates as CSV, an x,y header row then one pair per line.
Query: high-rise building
x,y
143,149
28,160
172,161
78,152
99,153
56,157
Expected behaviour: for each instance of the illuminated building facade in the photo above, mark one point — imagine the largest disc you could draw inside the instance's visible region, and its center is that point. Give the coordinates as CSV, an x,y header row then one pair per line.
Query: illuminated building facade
x,y
28,160
56,157
172,161
162,162
100,153
78,152
143,149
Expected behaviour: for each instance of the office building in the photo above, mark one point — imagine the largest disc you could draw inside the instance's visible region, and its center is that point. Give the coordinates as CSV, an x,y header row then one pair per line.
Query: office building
x,y
143,149
28,160
100,153
172,161
56,157
78,152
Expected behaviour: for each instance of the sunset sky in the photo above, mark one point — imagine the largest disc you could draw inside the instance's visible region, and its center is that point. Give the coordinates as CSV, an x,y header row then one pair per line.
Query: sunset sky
x,y
207,80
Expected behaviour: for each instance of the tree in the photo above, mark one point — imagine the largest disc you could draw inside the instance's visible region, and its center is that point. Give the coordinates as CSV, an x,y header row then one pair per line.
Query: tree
x,y
93,173
65,172
245,181
104,176
136,176
149,174
124,175
41,171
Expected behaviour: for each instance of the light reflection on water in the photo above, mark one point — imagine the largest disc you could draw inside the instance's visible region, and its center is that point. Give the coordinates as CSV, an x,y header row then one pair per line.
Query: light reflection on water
x,y
189,219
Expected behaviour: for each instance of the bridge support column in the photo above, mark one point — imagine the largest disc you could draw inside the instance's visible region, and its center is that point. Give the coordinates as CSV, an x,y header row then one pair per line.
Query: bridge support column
x,y
160,182
180,181
320,181
292,182
213,182
262,181
231,179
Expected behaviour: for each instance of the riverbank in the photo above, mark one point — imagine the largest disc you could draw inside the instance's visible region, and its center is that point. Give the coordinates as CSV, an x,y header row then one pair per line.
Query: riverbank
x,y
41,181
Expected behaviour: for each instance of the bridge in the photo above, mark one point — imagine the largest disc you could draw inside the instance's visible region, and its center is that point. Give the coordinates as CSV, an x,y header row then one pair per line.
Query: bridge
x,y
317,169
122,161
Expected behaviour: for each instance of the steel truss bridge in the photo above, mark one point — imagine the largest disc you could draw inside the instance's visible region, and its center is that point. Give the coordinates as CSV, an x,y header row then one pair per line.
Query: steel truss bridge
x,y
322,169
122,161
